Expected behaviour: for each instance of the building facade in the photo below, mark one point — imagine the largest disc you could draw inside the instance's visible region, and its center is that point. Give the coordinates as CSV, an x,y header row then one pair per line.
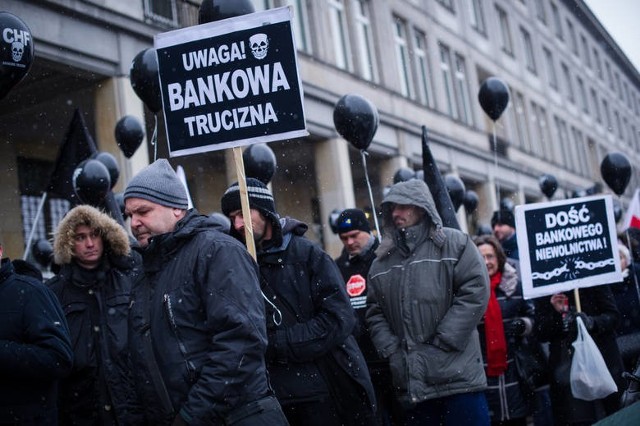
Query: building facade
x,y
574,97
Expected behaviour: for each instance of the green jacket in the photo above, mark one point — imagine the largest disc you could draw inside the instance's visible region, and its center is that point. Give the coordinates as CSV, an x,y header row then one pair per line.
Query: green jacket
x,y
426,299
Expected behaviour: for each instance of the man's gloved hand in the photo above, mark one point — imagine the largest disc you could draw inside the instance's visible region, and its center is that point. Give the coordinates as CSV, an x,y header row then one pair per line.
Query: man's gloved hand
x,y
516,327
588,321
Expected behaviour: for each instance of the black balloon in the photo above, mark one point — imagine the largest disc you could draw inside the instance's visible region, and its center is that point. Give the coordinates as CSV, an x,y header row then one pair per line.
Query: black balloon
x,y
223,223
110,162
493,97
507,204
16,51
470,201
356,119
91,182
129,134
404,174
145,79
42,252
333,220
259,162
548,185
215,10
616,171
456,190
420,174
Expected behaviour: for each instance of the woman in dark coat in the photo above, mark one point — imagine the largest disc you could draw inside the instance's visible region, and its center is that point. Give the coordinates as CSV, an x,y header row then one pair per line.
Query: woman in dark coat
x,y
508,319
555,323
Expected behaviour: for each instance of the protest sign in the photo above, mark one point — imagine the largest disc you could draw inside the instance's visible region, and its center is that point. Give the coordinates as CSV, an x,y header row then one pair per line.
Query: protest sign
x,y
230,83
567,244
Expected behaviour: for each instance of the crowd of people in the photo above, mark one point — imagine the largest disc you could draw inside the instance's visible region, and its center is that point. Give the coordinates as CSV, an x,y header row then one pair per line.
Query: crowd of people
x,y
180,324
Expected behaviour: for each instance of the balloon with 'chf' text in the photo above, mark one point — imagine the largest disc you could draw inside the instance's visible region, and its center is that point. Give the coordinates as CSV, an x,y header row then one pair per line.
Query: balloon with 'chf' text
x,y
129,135
145,79
616,171
548,185
216,10
493,97
470,201
91,182
16,51
456,190
110,162
356,119
259,162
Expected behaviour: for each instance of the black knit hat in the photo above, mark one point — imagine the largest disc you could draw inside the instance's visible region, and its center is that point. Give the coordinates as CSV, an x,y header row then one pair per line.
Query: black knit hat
x,y
260,198
503,217
351,220
159,184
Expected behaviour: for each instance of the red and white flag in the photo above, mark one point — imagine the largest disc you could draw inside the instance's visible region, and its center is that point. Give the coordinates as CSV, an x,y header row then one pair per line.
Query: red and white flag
x,y
632,217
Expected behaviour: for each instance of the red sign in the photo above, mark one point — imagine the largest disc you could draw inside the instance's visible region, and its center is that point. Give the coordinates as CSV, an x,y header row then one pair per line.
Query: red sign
x,y
356,285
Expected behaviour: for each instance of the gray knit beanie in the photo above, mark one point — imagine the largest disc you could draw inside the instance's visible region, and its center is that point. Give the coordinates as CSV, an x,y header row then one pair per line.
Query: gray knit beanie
x,y
158,183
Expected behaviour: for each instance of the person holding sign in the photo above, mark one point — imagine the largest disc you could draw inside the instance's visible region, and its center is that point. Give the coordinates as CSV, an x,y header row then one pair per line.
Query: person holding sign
x,y
428,290
503,331
317,370
197,319
556,323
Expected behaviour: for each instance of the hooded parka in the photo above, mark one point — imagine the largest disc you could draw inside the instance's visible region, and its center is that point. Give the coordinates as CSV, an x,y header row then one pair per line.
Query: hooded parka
x,y
429,288
100,388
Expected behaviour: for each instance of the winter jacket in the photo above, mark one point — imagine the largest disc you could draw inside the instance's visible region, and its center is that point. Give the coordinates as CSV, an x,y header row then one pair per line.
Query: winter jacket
x,y
95,302
315,337
599,304
355,270
35,350
198,331
627,296
426,300
504,393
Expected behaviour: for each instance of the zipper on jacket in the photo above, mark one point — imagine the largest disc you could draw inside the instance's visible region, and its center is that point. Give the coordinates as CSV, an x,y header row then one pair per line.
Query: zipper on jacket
x,y
191,369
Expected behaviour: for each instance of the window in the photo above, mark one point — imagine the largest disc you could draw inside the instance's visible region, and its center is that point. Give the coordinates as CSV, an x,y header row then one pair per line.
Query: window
x,y
557,21
563,138
522,121
616,115
597,64
301,25
583,164
540,131
505,33
462,91
607,67
572,37
366,52
551,68
448,4
340,35
423,71
583,95
541,13
585,50
476,16
607,115
618,86
568,84
161,11
529,55
445,66
402,56
596,106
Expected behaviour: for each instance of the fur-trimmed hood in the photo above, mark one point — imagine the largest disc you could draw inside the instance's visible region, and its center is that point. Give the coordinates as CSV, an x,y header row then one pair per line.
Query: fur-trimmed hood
x,y
114,237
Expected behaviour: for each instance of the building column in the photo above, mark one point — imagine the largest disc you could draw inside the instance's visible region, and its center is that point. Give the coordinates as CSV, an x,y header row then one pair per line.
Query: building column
x,y
115,98
333,170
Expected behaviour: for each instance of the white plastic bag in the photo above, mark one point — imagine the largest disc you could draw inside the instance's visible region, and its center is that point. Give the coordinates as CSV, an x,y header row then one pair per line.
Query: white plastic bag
x,y
590,377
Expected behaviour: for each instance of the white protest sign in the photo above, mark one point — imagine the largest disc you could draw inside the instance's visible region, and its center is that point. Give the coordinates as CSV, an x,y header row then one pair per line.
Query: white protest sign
x,y
567,244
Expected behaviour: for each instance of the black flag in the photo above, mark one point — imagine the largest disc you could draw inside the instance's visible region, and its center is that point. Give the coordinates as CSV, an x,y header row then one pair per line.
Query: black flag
x,y
78,146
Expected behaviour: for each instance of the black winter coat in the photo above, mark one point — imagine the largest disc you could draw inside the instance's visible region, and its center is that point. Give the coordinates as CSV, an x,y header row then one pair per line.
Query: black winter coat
x,y
357,268
599,304
198,332
35,350
100,388
318,320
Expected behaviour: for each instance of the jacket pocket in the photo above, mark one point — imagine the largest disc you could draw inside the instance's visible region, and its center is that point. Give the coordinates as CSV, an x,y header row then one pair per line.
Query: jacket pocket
x,y
434,366
399,370
190,367
116,321
81,333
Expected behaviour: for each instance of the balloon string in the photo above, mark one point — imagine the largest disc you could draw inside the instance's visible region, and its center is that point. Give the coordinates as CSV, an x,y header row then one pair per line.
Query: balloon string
x,y
373,204
495,162
154,138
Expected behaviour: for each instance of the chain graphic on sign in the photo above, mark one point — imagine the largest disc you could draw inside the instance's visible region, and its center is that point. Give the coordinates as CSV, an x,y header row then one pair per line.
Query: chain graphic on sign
x,y
570,266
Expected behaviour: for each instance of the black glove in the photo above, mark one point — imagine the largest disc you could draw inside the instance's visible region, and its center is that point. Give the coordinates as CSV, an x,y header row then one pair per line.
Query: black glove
x,y
516,327
588,321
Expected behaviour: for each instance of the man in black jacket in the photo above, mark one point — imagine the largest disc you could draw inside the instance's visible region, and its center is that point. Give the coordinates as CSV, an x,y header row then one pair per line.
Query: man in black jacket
x,y
93,287
354,262
198,333
317,370
35,351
